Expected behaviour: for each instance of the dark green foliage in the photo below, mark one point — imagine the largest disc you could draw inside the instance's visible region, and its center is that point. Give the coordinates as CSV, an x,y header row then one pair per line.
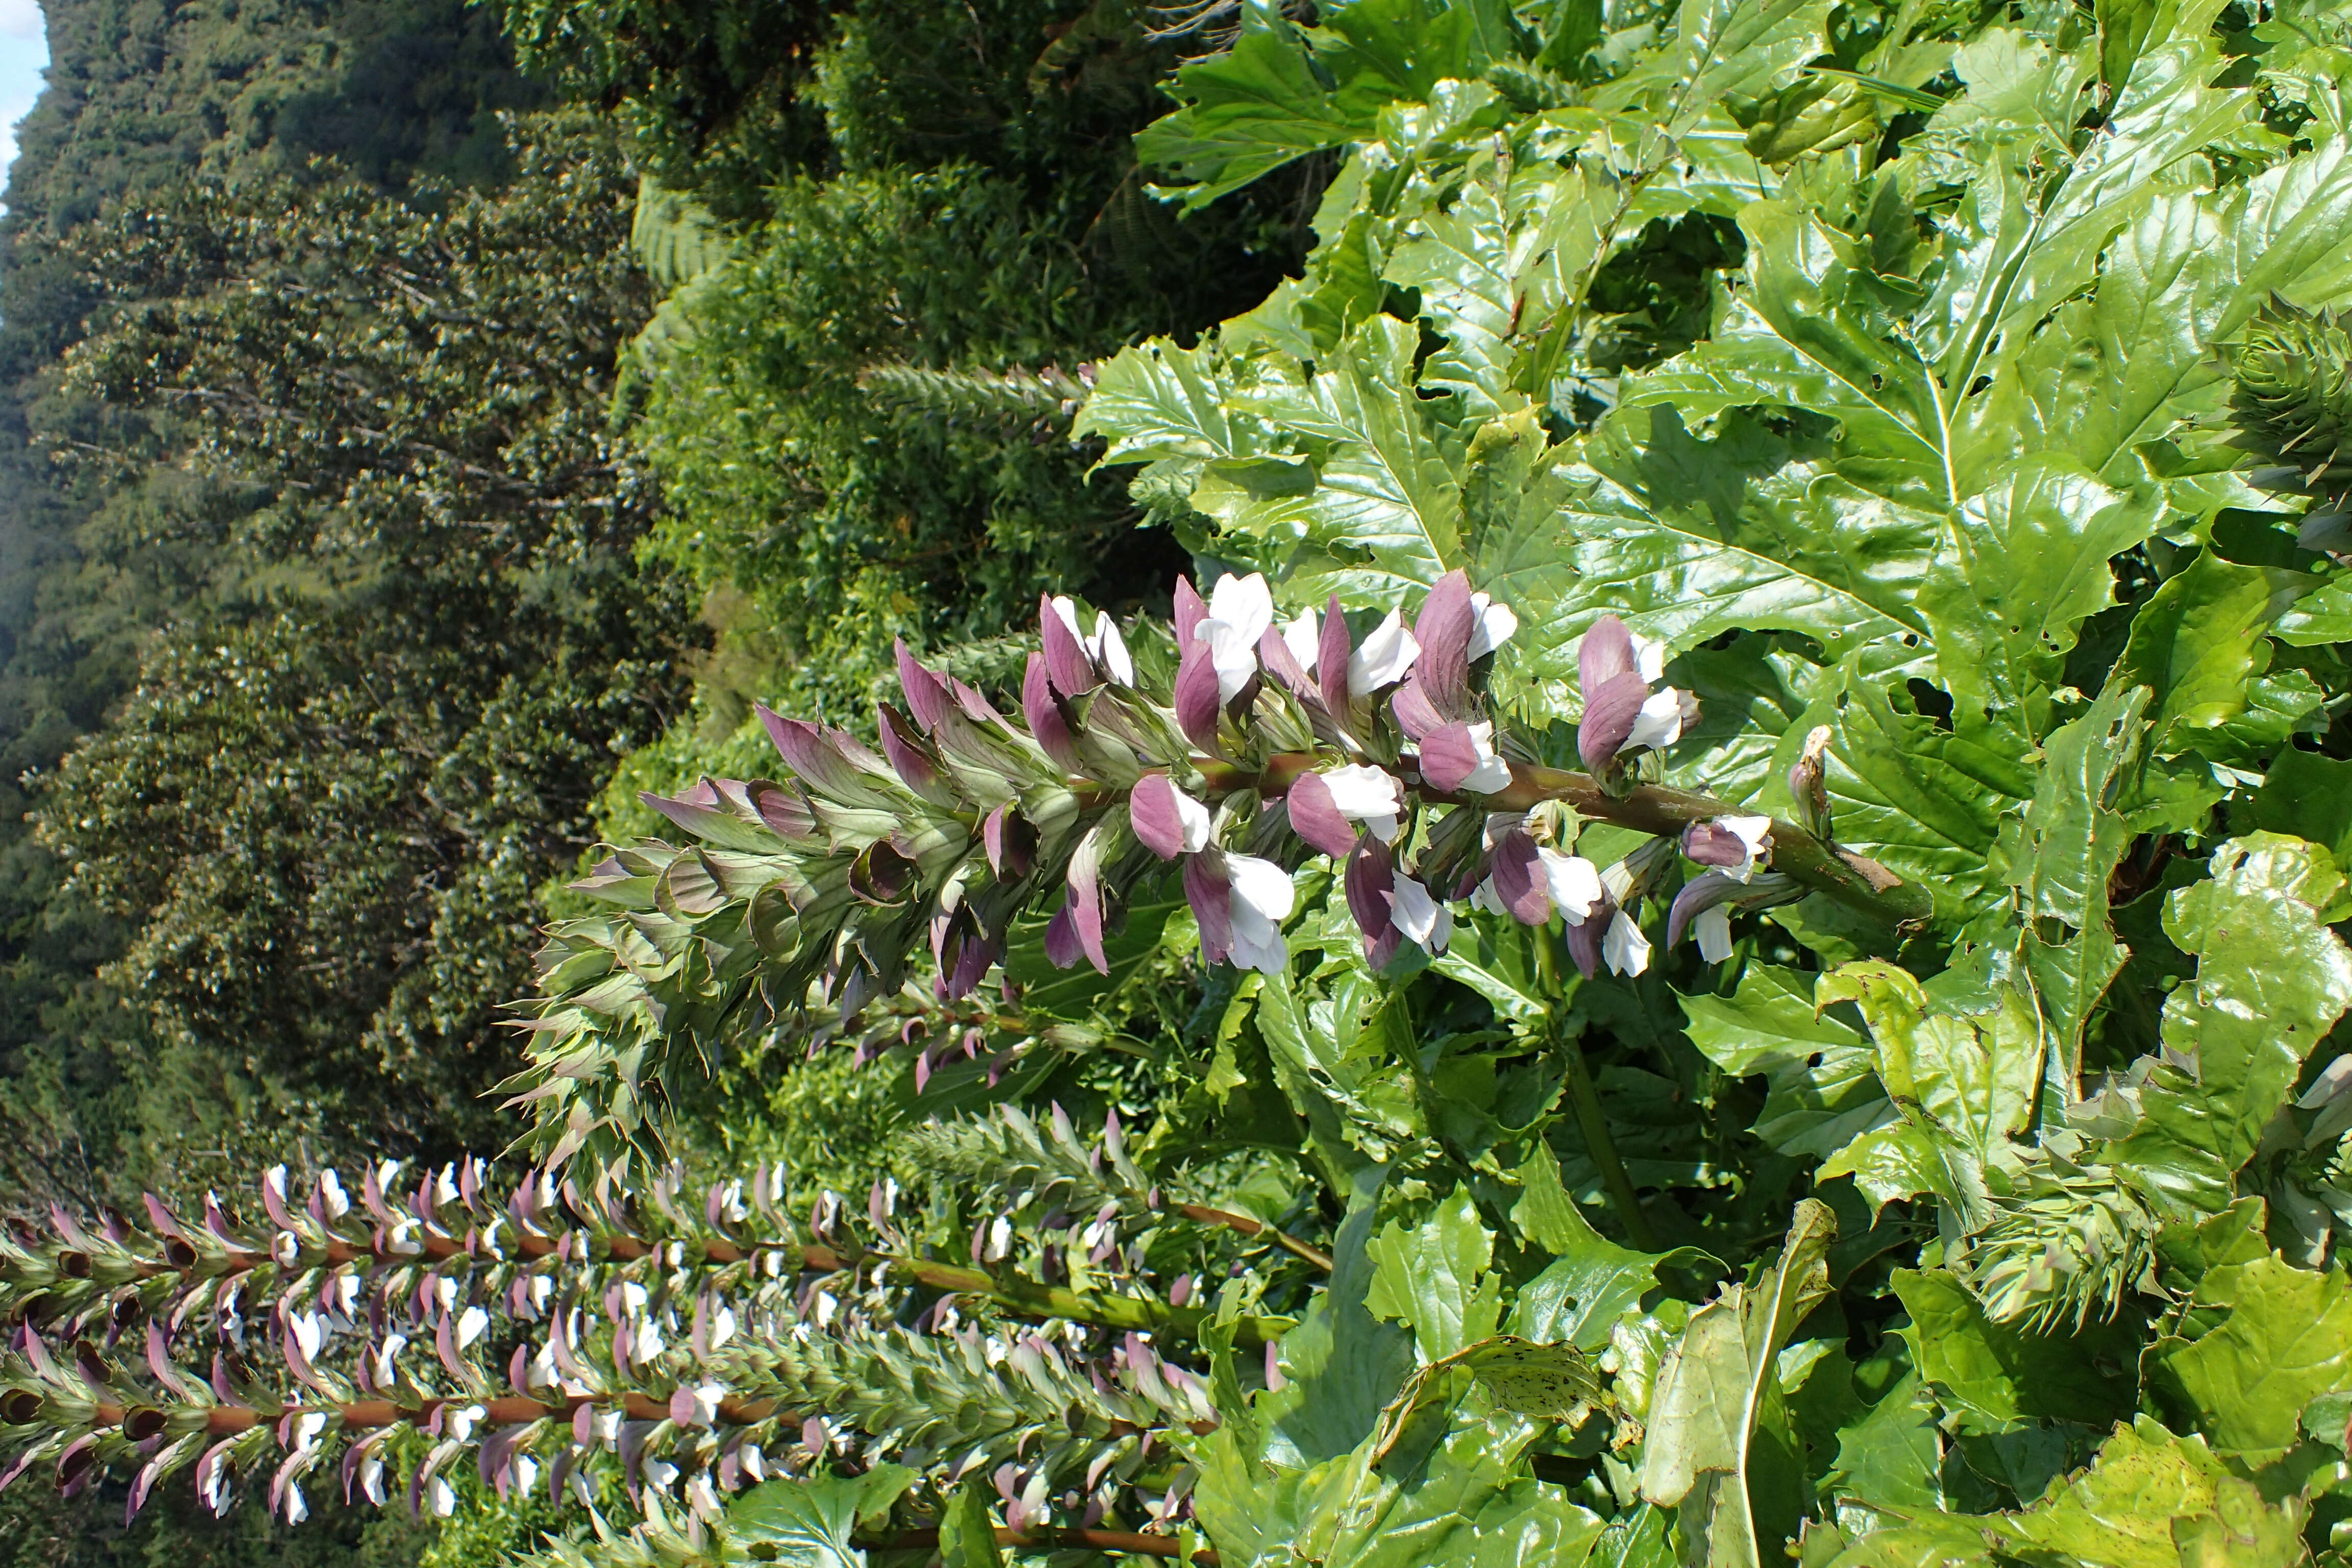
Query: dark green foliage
x,y
321,817
850,520
973,209
94,559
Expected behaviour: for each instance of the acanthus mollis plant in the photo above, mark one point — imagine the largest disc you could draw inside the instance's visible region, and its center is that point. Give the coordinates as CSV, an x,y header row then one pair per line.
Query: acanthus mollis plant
x,y
1120,769
375,1346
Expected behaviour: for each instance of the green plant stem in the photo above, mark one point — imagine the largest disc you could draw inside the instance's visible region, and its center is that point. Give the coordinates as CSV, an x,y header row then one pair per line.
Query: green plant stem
x,y
1584,1099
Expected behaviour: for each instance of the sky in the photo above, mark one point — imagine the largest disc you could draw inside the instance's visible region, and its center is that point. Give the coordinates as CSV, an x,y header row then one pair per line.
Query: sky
x,y
24,50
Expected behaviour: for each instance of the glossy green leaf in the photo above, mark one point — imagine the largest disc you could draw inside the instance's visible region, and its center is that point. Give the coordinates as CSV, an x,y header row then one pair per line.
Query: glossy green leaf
x,y
1709,1448
2199,643
2271,983
1256,107
1434,1278
1157,400
1889,1458
1591,1282
809,1523
1823,1082
2308,795
1920,800
1342,1364
1994,1376
968,1529
2286,1341
2023,562
2126,1510
1386,513
2061,855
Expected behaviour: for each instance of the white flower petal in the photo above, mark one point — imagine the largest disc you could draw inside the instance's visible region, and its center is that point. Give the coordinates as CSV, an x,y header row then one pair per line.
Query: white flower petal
x,y
1713,929
1384,827
1384,658
1258,945
444,1498
1068,611
1754,832
1109,650
1261,887
1235,653
1625,948
1659,724
1420,916
1492,772
298,1507
1193,818
1361,794
472,1324
1651,656
1573,881
1304,637
1243,604
1262,899
1484,896
1494,625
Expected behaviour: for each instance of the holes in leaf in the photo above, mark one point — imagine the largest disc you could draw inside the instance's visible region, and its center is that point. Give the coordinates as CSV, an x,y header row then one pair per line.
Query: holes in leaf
x,y
1930,702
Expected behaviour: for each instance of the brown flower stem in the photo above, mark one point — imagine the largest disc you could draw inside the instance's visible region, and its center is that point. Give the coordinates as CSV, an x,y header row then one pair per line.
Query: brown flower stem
x,y
1856,881
1860,883
1584,1102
